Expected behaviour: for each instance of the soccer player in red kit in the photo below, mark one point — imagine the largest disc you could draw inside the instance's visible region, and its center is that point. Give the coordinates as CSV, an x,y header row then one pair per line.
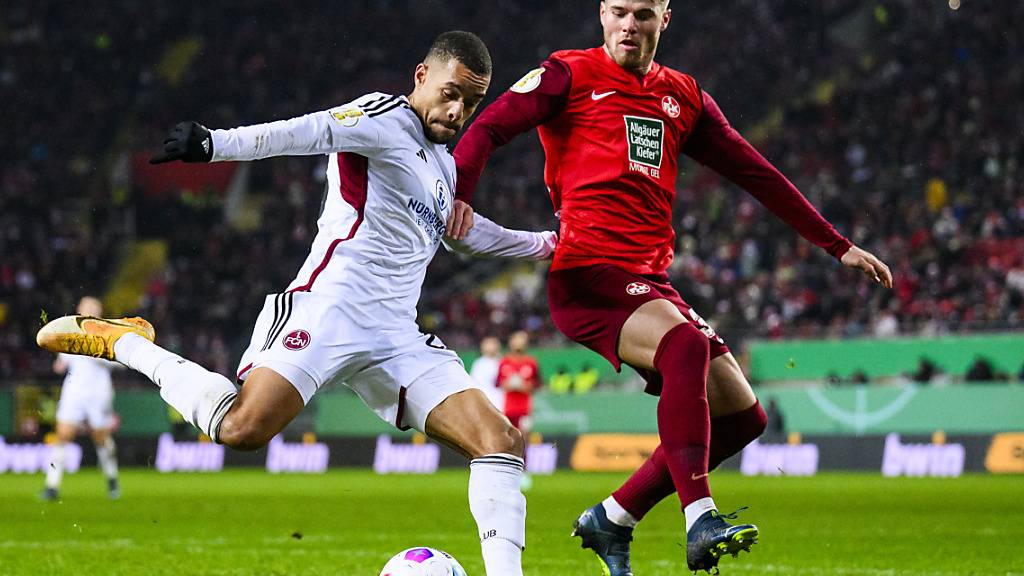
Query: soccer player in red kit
x,y
518,376
613,123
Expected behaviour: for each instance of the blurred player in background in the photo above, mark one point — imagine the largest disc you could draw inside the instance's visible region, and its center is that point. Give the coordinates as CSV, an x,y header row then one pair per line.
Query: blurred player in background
x,y
484,371
86,398
519,377
350,314
613,124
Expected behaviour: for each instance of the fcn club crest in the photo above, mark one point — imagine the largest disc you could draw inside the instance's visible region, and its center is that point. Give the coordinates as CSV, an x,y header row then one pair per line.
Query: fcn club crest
x,y
296,340
441,192
637,288
671,106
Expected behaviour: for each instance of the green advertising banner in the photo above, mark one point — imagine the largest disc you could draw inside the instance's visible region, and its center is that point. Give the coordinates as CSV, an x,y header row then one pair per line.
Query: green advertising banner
x,y
912,409
792,360
965,409
142,413
813,410
6,414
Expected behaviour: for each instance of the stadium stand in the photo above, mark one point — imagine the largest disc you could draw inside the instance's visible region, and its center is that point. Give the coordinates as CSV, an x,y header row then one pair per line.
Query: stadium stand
x,y
899,145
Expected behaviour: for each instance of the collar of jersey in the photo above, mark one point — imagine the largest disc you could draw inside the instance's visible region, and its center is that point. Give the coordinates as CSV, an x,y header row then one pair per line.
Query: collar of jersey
x,y
655,67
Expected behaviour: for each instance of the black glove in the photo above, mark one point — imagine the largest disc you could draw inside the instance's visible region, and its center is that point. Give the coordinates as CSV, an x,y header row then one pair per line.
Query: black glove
x,y
188,142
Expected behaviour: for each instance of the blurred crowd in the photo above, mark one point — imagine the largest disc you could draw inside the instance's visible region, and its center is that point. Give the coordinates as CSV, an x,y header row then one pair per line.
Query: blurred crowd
x,y
899,120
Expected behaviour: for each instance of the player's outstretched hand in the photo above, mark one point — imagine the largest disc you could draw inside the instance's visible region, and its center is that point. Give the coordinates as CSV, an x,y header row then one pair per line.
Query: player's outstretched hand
x,y
869,264
188,142
460,221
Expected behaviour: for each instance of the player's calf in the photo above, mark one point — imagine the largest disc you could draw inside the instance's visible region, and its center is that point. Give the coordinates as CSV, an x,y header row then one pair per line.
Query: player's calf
x,y
243,434
731,433
264,406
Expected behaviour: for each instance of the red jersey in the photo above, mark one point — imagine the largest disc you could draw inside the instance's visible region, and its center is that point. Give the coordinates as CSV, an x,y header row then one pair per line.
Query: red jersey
x,y
612,159
525,370
612,142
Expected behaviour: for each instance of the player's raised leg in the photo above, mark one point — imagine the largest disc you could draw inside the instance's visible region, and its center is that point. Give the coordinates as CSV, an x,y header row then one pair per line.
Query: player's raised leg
x,y
207,400
658,337
470,424
736,420
243,419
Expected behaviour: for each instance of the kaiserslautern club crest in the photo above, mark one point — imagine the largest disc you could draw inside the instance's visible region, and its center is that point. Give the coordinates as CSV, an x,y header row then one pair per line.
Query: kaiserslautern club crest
x,y
637,288
671,106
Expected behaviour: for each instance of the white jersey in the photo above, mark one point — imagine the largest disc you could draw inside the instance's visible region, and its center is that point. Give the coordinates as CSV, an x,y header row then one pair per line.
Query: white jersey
x,y
390,192
87,394
87,377
484,373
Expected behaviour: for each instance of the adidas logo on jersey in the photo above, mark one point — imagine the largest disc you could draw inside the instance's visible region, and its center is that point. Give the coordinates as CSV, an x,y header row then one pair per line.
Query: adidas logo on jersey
x,y
422,154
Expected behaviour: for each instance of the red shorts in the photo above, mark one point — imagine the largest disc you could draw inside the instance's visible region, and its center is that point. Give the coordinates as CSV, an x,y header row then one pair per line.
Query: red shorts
x,y
590,304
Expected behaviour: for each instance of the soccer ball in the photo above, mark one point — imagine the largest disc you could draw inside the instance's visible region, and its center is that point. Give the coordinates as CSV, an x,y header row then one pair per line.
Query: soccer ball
x,y
422,562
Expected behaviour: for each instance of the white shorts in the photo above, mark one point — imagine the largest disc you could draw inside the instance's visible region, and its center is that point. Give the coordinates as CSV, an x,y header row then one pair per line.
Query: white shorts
x,y
98,411
311,340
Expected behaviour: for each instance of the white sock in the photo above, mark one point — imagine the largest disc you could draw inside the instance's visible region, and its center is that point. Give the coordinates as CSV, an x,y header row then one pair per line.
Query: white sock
x,y
56,470
202,397
106,455
617,514
499,509
696,509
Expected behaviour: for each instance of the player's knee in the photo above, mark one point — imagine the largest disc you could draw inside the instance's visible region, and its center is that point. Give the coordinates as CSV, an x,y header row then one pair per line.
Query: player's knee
x,y
505,439
242,433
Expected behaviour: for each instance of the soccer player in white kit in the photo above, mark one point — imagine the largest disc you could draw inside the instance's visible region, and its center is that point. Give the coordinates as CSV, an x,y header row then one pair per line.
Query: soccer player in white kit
x,y
86,397
484,371
350,314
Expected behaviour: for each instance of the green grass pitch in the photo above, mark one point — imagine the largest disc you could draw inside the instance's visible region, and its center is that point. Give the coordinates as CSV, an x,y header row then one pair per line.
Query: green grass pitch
x,y
248,522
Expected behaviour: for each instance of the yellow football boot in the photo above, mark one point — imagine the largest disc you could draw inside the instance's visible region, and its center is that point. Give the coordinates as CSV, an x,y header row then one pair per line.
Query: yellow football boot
x,y
90,336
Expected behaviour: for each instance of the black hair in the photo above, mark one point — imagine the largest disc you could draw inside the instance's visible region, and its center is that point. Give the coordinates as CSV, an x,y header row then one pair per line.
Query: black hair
x,y
465,47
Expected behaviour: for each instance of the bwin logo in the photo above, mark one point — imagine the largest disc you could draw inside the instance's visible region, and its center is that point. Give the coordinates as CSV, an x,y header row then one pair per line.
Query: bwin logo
x,y
442,195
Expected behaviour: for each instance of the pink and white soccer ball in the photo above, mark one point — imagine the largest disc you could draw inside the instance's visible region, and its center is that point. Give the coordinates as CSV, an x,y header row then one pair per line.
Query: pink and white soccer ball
x,y
422,562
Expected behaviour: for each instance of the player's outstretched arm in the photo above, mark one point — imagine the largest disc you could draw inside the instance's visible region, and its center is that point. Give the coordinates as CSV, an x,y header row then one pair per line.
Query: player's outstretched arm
x,y
490,239
342,130
717,145
531,101
869,264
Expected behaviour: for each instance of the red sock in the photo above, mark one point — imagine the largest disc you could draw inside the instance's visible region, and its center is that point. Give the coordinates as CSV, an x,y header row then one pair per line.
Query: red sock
x,y
732,432
683,421
652,483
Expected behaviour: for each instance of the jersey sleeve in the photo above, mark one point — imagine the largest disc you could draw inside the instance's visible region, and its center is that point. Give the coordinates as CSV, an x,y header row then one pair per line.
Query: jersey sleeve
x,y
717,145
531,101
488,238
343,129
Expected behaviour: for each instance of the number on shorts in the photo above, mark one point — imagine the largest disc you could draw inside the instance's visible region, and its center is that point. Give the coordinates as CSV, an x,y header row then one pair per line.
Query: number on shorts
x,y
434,342
704,327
